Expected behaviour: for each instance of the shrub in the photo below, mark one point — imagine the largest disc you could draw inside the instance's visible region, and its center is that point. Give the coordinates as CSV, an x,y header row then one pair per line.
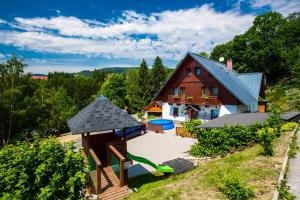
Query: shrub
x,y
275,121
236,190
221,140
289,126
188,126
267,136
41,169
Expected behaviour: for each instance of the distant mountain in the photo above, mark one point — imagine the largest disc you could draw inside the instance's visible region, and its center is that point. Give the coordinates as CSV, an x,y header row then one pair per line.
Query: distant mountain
x,y
117,70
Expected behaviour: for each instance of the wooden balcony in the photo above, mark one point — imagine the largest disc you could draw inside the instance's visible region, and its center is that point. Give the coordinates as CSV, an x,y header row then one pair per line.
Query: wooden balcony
x,y
195,100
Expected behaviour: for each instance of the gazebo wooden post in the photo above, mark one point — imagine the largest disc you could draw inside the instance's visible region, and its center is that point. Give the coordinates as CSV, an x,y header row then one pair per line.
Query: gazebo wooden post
x,y
124,140
88,140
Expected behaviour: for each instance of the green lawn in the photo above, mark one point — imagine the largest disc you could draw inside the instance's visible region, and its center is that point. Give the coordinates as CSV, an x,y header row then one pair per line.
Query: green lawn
x,y
257,171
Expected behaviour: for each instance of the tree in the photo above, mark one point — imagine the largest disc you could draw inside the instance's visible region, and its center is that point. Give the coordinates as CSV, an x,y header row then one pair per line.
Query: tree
x,y
204,54
50,109
143,83
260,48
157,77
11,97
41,169
221,51
132,88
114,89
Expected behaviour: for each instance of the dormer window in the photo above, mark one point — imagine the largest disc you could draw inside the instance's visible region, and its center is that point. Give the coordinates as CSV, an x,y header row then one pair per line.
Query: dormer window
x,y
188,72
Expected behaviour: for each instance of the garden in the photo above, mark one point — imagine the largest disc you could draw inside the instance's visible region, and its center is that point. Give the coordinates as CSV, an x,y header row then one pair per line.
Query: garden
x,y
245,164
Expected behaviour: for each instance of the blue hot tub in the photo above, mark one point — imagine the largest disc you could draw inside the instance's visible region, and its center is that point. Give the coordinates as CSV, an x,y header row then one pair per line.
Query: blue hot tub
x,y
166,123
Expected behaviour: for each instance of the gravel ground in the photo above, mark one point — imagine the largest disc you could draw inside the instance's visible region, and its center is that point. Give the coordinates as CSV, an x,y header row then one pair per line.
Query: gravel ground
x,y
158,148
294,173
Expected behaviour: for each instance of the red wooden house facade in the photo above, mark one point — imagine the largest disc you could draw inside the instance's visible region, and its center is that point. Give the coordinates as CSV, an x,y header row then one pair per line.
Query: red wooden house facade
x,y
205,89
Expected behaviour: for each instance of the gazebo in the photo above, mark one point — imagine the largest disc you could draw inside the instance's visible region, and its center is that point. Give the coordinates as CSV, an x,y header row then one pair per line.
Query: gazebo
x,y
106,152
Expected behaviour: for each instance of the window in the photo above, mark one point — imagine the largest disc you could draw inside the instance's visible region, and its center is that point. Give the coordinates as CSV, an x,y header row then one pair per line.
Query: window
x,y
188,72
205,92
197,71
215,91
214,114
182,91
175,93
175,112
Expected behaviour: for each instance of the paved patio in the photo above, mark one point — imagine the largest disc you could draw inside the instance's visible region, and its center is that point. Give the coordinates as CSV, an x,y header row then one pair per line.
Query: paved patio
x,y
160,148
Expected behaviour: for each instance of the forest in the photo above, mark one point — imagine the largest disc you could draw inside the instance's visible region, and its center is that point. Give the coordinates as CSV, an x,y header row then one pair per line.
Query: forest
x,y
271,45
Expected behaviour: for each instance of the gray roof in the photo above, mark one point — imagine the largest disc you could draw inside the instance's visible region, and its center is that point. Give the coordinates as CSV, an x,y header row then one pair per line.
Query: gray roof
x,y
252,81
245,87
289,115
229,79
246,119
101,115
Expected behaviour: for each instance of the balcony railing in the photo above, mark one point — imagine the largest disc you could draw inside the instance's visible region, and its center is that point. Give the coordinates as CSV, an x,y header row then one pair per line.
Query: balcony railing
x,y
195,100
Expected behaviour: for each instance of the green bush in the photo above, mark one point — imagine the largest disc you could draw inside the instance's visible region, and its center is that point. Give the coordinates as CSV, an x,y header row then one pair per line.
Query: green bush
x,y
188,126
275,121
41,169
235,189
289,126
221,140
267,135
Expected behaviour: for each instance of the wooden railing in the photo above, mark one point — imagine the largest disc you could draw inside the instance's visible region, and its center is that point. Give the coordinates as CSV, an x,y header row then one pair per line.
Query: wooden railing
x,y
98,168
112,149
181,132
195,100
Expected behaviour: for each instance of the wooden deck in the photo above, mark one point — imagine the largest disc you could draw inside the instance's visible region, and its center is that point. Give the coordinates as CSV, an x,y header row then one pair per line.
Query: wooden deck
x,y
110,186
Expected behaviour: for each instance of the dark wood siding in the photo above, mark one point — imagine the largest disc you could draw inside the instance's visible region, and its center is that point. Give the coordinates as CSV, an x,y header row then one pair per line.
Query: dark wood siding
x,y
193,86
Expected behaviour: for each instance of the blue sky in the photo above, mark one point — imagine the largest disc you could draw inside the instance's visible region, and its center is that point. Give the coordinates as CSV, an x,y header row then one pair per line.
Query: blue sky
x,y
55,35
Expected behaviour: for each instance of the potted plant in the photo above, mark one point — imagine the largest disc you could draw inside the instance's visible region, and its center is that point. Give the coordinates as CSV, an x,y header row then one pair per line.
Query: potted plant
x,y
189,98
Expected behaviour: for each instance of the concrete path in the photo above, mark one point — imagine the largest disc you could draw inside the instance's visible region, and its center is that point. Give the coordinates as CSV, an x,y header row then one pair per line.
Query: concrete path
x,y
294,173
158,148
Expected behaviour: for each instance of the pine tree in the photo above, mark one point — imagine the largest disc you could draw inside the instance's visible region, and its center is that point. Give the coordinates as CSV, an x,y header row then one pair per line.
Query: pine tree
x,y
143,92
157,76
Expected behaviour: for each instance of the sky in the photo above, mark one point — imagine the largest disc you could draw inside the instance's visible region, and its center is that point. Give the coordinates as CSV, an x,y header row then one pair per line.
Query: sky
x,y
70,36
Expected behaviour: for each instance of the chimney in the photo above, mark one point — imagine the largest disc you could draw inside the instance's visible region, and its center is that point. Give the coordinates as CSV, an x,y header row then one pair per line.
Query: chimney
x,y
229,64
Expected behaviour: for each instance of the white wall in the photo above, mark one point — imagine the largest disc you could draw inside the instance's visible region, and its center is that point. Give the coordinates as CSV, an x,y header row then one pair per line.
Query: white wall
x,y
204,113
167,112
227,109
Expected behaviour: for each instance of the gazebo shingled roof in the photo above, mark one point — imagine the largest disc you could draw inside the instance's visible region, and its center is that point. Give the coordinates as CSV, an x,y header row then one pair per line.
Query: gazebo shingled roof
x,y
101,115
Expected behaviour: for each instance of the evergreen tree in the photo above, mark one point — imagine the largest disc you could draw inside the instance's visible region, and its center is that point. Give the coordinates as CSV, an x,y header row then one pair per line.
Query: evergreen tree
x,y
132,88
157,76
143,92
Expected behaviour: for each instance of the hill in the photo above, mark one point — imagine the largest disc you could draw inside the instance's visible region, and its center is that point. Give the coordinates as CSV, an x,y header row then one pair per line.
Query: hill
x,y
117,70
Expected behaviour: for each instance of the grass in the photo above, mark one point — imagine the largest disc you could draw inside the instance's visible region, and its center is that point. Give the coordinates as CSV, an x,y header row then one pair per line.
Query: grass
x,y
258,172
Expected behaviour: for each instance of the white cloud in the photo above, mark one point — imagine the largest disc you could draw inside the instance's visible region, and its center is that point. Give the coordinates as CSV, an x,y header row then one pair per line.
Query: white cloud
x,y
168,34
283,6
2,21
2,57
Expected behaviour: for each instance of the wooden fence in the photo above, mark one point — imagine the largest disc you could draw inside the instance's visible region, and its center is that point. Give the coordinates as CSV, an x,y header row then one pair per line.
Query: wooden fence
x,y
181,132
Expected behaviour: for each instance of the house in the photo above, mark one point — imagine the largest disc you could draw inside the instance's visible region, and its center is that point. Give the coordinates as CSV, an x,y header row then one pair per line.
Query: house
x,y
154,108
205,89
39,76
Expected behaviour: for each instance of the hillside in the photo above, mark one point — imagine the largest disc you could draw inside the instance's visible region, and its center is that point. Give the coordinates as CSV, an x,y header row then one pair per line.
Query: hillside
x,y
117,70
